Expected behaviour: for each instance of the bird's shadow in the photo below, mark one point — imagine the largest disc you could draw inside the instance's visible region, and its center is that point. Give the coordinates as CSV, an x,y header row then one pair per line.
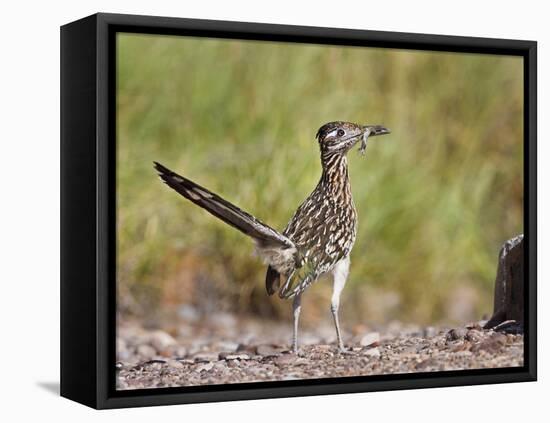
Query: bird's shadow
x,y
51,387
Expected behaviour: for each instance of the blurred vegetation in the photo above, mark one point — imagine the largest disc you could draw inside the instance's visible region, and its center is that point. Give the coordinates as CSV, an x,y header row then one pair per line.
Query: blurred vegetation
x,y
436,198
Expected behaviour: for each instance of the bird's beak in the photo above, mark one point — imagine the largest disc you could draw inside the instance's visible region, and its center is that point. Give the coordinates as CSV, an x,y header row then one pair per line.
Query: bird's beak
x,y
373,130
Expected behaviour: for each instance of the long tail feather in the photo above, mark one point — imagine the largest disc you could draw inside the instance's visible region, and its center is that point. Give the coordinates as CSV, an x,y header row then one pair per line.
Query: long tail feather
x,y
223,209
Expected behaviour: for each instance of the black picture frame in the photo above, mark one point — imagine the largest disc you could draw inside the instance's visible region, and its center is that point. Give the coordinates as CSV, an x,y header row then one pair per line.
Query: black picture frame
x,y
88,209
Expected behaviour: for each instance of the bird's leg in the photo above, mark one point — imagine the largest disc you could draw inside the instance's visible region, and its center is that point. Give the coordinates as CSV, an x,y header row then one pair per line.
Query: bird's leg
x,y
340,274
334,310
296,308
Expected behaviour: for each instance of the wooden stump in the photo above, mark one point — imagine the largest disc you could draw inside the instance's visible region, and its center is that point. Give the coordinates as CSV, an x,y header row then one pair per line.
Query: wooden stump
x,y
509,286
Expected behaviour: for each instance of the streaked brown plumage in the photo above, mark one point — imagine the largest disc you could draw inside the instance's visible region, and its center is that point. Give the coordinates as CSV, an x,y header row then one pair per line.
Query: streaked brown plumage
x,y
319,237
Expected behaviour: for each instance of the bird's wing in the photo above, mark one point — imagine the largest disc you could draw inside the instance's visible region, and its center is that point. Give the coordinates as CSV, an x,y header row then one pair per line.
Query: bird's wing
x,y
265,236
317,237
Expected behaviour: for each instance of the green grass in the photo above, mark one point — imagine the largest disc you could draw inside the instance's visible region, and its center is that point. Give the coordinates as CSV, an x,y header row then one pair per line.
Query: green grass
x,y
436,198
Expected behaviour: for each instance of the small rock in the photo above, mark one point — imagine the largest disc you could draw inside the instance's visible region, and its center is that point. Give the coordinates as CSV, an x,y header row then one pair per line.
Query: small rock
x,y
205,357
223,355
175,364
456,334
228,346
475,326
370,339
232,356
160,340
155,361
204,367
473,335
315,356
372,352
179,351
145,351
220,365
492,344
174,351
440,344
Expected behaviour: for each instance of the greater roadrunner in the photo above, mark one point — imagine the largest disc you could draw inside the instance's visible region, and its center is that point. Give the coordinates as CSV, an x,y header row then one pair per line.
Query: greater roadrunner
x,y
319,237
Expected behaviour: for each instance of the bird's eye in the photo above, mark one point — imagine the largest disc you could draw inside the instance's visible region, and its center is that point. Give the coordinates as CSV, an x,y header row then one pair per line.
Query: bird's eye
x,y
341,132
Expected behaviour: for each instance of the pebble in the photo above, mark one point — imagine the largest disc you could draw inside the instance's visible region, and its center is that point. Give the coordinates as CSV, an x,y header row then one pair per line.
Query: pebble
x,y
473,335
174,351
204,367
146,351
475,326
492,344
205,357
228,346
232,356
372,352
160,340
316,356
455,334
370,339
175,364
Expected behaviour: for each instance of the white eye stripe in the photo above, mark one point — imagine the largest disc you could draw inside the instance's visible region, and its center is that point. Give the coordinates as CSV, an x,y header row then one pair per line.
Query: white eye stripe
x,y
333,133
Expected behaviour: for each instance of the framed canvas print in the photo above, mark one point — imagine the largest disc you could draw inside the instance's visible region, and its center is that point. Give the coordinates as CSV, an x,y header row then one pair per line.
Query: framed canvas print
x,y
255,211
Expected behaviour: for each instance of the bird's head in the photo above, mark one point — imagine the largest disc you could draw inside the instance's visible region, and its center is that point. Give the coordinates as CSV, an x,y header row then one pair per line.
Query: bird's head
x,y
340,137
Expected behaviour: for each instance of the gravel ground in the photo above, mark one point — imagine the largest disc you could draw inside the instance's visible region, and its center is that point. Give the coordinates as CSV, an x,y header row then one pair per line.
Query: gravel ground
x,y
154,358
